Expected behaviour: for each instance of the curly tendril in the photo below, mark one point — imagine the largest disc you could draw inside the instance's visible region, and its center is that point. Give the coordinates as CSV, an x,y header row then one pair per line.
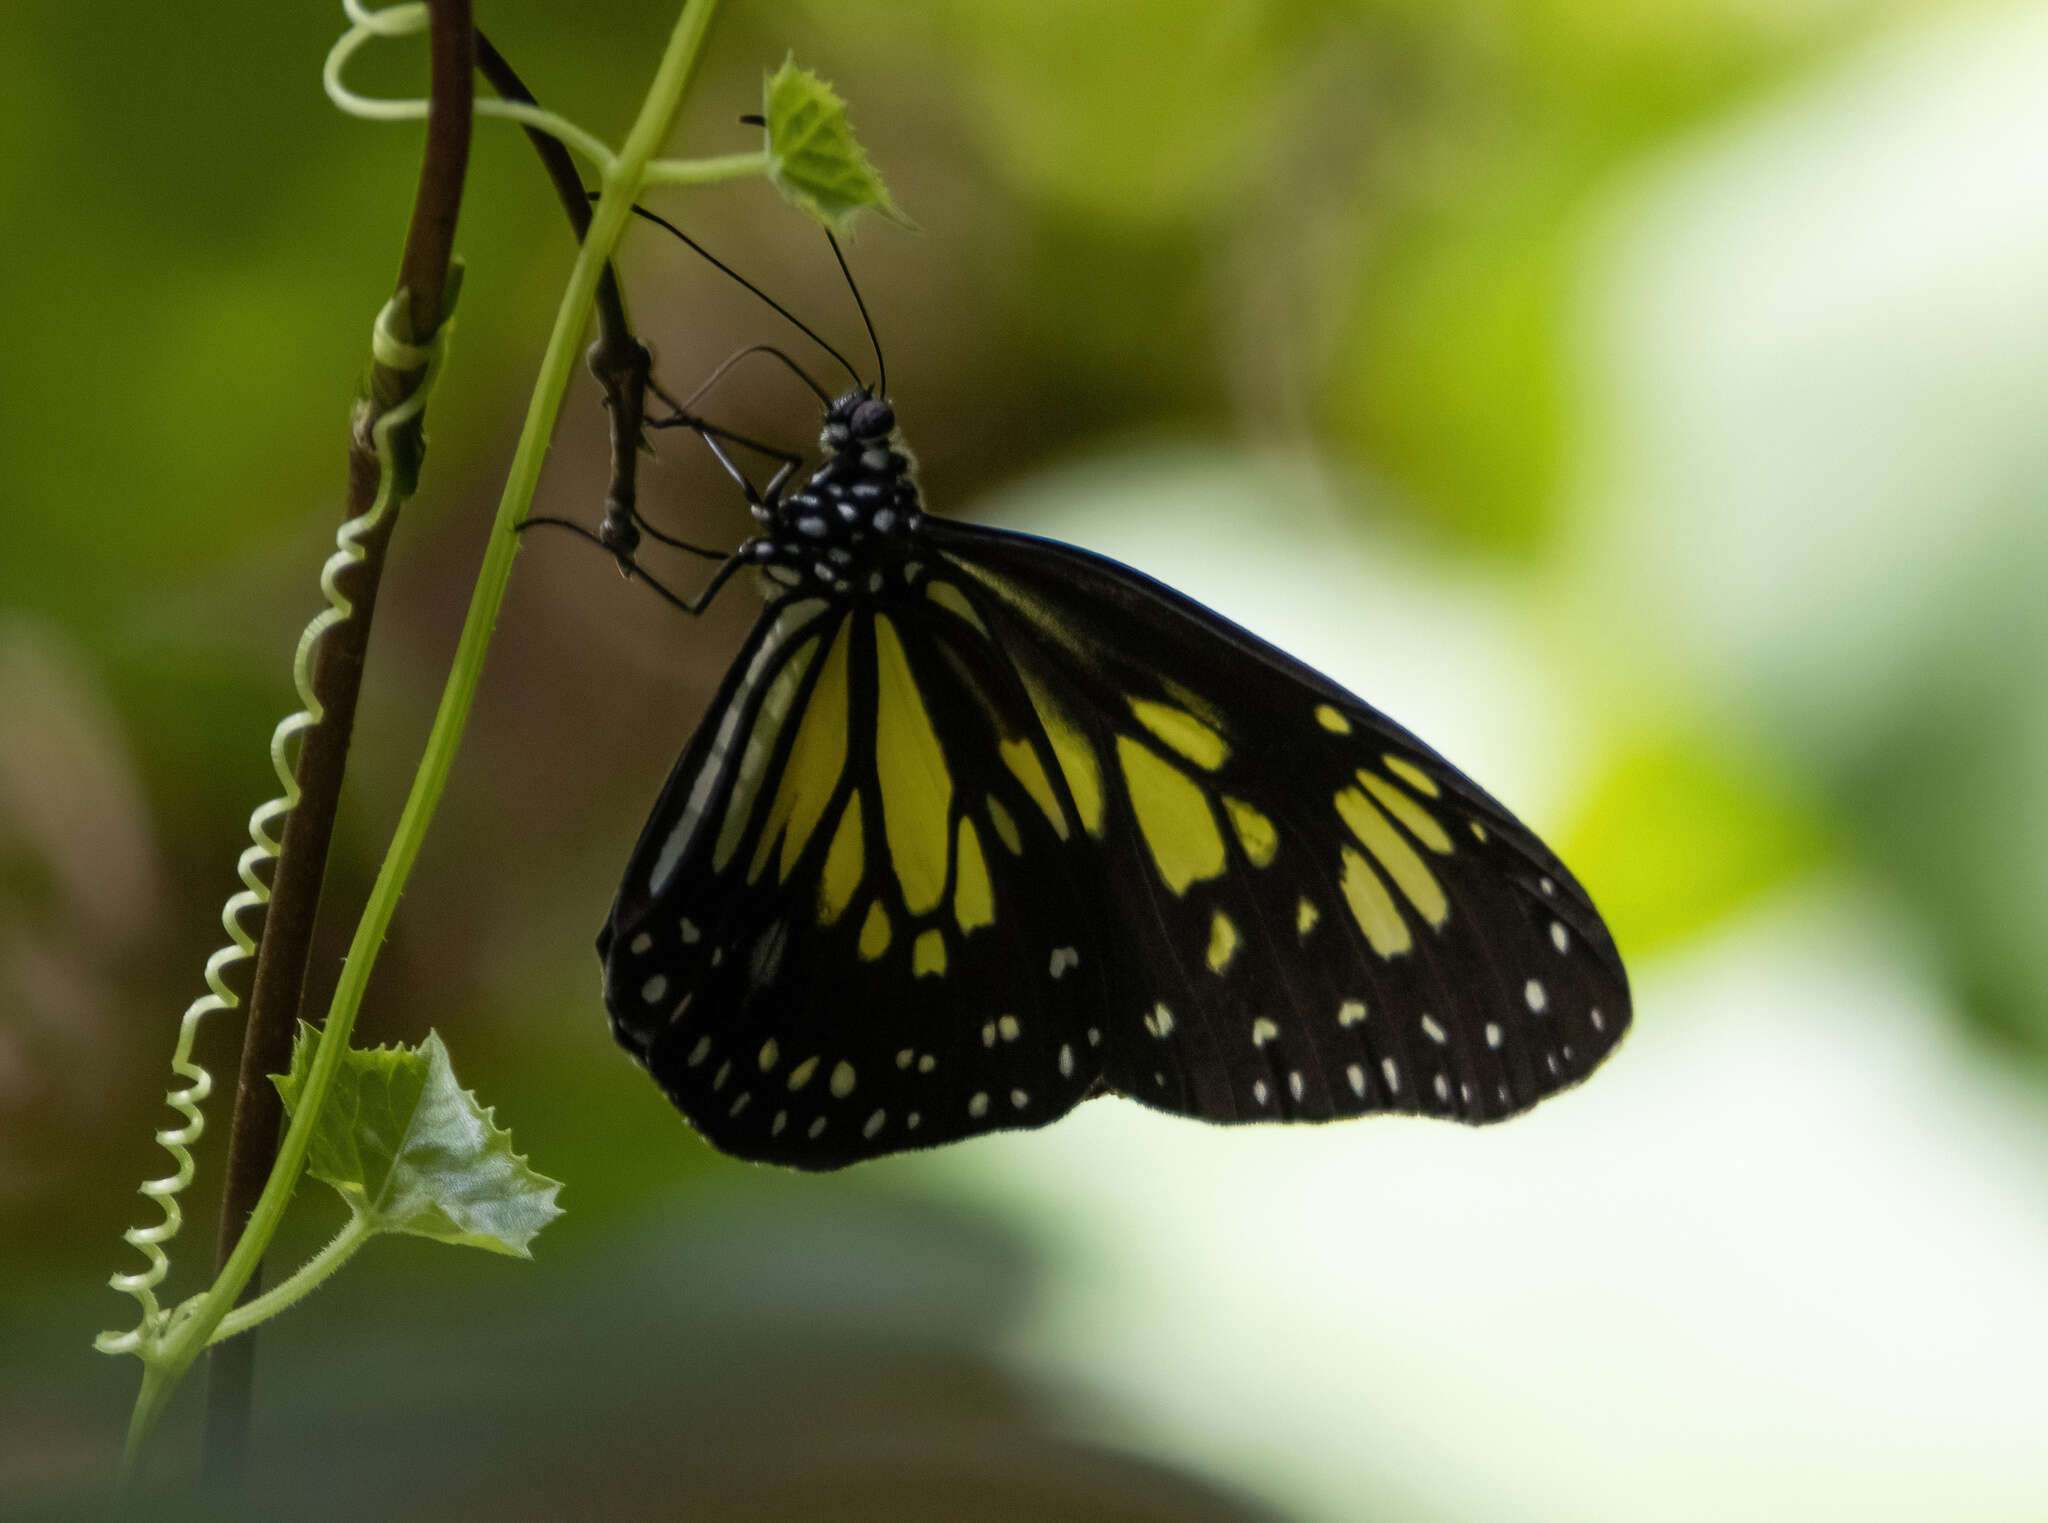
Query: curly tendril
x,y
395,21
396,354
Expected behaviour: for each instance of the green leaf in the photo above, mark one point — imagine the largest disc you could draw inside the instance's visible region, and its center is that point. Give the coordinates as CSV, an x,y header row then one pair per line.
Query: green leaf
x,y
413,1152
813,157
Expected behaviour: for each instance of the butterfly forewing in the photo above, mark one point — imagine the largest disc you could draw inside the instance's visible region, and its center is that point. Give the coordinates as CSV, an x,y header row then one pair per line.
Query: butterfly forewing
x,y
1320,915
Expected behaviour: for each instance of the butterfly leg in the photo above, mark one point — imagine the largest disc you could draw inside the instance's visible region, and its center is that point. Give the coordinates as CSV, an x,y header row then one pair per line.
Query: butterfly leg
x,y
632,568
762,500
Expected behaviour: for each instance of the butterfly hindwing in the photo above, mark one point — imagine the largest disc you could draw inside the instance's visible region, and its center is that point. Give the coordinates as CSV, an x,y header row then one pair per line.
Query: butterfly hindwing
x,y
1319,915
852,925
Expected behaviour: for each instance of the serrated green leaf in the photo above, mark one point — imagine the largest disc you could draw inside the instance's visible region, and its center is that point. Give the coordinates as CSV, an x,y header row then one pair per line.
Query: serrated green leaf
x,y
813,157
412,1151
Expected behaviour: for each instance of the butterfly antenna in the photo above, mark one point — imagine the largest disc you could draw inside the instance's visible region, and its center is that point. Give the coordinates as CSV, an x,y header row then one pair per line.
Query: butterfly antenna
x,y
725,269
881,365
683,410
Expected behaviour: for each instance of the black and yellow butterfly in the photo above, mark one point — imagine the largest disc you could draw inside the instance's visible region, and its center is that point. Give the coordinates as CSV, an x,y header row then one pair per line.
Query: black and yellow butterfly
x,y
982,825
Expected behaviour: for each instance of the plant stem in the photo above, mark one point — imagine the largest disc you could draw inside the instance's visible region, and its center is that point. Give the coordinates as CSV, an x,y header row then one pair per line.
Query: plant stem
x,y
731,166
286,941
192,1330
307,1278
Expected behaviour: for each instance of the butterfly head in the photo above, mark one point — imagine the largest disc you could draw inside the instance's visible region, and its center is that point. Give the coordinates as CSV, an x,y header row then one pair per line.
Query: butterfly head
x,y
857,421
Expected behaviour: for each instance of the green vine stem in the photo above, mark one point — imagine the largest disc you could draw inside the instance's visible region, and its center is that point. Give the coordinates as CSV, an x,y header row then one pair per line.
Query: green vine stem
x,y
180,1336
303,1281
166,1342
731,166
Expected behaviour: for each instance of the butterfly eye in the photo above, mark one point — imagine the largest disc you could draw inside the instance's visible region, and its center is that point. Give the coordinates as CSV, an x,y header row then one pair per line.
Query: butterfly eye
x,y
873,419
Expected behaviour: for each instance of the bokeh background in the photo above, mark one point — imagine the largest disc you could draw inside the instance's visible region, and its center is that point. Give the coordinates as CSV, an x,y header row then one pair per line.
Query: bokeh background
x,y
1642,399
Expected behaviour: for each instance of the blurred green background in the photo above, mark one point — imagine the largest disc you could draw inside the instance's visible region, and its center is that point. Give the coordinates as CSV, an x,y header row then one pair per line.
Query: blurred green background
x,y
1642,399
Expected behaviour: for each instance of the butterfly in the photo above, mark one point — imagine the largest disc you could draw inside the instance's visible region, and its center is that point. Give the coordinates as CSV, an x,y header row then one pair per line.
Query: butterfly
x,y
981,825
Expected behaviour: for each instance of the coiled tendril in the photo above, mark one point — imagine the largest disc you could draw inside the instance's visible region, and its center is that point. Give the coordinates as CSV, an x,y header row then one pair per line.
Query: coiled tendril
x,y
395,354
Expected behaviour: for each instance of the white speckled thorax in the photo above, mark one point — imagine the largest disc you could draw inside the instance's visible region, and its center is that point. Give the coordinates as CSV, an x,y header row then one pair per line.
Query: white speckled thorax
x,y
848,529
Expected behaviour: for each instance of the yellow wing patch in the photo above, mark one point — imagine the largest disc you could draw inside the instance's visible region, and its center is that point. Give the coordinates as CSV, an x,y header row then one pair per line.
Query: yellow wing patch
x,y
1255,833
1332,719
816,758
1182,733
1075,756
1373,907
1223,942
928,954
1377,834
1412,775
843,863
953,600
917,791
974,900
874,932
1173,816
1021,757
1006,828
1420,822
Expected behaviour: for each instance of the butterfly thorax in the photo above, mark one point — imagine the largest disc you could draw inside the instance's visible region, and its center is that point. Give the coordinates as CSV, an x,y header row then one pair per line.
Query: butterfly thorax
x,y
848,528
